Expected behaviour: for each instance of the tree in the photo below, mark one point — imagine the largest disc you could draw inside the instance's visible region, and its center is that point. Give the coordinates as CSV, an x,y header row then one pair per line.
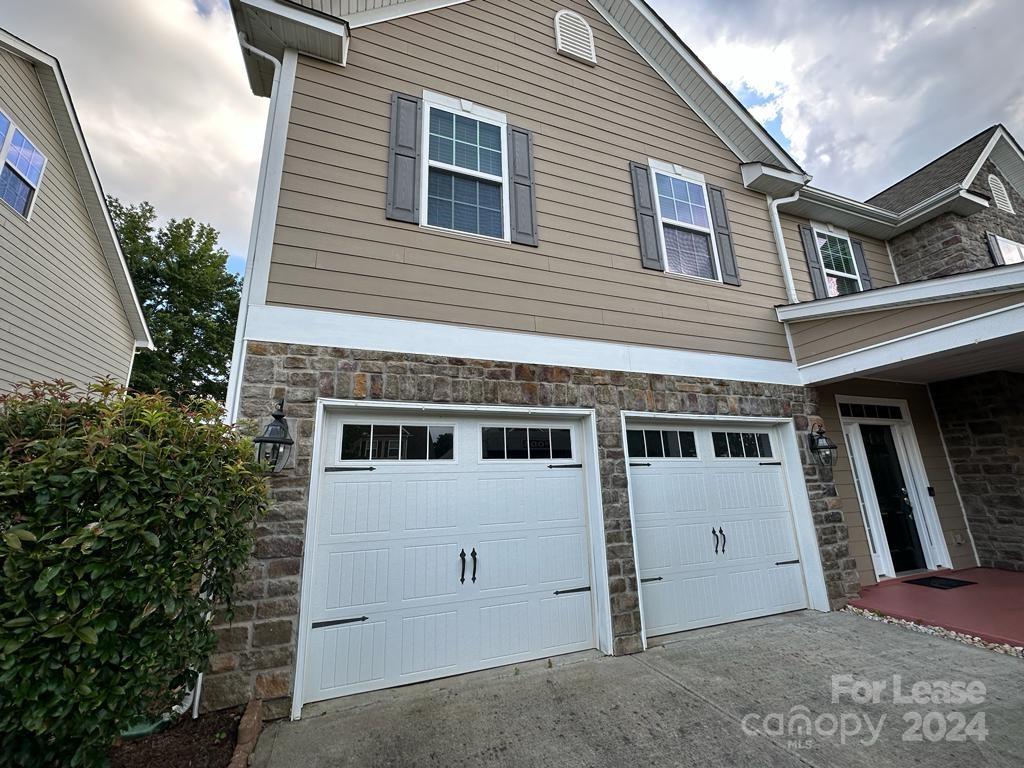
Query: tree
x,y
189,298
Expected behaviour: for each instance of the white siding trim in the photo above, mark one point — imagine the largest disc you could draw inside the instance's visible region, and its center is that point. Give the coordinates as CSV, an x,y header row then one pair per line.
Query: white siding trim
x,y
337,329
397,11
1007,278
1005,321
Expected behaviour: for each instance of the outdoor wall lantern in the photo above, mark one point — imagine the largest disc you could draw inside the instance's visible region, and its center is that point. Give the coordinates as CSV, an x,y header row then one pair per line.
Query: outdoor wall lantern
x,y
274,446
823,449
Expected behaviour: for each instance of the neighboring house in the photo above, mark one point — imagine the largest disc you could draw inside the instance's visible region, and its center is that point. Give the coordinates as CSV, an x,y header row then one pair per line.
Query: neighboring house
x,y
67,306
554,319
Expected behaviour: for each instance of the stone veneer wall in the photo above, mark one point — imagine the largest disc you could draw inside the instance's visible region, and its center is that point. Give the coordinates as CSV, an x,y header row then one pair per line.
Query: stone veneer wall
x,y
951,244
256,652
982,421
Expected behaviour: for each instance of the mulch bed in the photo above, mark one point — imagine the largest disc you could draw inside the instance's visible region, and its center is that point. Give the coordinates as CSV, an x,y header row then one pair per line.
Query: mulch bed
x,y
204,743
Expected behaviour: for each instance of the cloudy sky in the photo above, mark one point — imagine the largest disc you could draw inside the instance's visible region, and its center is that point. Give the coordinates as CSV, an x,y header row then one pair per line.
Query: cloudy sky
x,y
861,92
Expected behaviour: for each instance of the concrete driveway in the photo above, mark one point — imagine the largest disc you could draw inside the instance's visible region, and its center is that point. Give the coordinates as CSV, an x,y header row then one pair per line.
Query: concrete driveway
x,y
736,695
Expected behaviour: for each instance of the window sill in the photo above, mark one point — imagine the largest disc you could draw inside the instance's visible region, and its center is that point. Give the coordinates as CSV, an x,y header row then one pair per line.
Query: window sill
x,y
693,278
465,235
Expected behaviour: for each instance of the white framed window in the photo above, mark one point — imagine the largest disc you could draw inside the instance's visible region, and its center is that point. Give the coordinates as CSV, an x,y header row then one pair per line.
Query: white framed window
x,y
22,168
525,443
465,168
1002,200
394,441
1011,251
684,222
836,254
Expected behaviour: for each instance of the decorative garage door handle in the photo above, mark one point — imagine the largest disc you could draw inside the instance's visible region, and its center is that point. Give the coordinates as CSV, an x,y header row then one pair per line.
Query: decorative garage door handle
x,y
462,557
722,533
715,534
473,555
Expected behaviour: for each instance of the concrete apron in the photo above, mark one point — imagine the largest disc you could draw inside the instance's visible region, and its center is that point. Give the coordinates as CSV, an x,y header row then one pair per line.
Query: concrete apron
x,y
705,698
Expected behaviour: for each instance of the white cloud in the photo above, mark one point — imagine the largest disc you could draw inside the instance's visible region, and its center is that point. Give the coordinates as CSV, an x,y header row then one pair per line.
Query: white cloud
x,y
866,92
161,92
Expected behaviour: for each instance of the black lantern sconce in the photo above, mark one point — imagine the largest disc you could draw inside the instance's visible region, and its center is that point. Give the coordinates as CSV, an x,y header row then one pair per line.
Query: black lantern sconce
x,y
274,446
823,449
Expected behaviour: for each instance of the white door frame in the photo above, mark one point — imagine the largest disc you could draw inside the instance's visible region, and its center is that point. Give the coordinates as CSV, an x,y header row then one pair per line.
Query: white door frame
x,y
587,419
926,516
803,520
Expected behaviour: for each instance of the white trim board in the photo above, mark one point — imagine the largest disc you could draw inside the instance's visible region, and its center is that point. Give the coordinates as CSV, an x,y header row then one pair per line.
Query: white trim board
x,y
291,325
989,326
397,11
994,280
588,456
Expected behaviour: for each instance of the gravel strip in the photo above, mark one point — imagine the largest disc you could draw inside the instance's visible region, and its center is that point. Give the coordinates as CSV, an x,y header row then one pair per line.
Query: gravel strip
x,y
977,642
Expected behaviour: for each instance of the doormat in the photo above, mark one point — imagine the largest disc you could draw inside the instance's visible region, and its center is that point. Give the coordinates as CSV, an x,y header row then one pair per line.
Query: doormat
x,y
940,582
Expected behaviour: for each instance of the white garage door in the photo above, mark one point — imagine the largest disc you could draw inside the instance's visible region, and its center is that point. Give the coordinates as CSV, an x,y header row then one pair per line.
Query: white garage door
x,y
715,538
444,545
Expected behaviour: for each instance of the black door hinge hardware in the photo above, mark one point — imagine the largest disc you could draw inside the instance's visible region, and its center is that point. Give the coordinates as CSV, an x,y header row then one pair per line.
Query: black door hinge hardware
x,y
770,463
788,562
722,534
571,591
638,464
651,578
462,557
715,534
473,555
565,466
336,622
350,469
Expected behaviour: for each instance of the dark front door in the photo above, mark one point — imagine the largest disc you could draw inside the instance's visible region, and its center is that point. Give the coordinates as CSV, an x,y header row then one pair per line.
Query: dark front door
x,y
893,500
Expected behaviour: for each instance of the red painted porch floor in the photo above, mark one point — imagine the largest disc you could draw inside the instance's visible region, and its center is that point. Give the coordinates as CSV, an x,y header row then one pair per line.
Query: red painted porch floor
x,y
992,608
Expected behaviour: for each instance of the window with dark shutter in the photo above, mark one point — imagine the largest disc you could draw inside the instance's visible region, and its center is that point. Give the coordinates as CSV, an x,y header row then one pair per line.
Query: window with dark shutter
x,y
723,236
646,217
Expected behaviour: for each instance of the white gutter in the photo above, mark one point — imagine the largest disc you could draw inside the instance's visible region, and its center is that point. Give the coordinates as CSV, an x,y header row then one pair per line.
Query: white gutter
x,y
235,378
780,243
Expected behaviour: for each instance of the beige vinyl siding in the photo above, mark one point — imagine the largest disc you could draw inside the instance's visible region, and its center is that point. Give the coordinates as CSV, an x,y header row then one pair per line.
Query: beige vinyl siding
x,y
334,250
815,340
875,254
60,311
933,455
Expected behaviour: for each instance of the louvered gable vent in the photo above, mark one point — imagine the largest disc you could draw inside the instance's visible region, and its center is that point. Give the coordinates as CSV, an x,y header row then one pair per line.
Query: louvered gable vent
x,y
1002,199
574,37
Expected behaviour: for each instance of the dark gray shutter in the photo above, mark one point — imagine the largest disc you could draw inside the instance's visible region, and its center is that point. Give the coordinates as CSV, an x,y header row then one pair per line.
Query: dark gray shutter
x,y
404,159
994,249
522,201
813,262
646,217
723,236
862,264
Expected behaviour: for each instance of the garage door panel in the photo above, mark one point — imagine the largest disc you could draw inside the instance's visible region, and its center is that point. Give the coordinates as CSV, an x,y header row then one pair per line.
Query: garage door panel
x,y
357,578
430,643
430,571
345,656
357,507
566,621
563,558
669,491
504,630
749,488
696,545
564,502
431,505
502,564
501,501
758,538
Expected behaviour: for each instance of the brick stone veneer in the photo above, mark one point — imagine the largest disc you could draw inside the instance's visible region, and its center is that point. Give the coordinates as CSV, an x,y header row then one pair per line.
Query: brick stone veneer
x,y
951,244
982,421
256,653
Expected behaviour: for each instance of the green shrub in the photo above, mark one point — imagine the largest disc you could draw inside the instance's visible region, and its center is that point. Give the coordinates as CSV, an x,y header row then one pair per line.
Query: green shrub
x,y
124,520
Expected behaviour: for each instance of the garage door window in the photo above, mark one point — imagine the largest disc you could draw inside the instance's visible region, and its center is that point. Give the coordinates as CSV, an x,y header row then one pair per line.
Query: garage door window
x,y
504,443
660,444
742,445
396,442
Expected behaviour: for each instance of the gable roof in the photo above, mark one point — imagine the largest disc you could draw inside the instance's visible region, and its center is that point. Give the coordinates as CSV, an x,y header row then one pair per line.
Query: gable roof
x,y
272,25
941,173
58,98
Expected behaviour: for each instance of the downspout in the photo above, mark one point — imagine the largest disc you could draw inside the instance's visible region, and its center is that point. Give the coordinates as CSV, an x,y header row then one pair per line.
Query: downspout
x,y
235,379
780,243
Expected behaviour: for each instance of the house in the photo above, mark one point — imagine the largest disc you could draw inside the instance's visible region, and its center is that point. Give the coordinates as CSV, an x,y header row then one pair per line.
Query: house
x,y
556,323
67,305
